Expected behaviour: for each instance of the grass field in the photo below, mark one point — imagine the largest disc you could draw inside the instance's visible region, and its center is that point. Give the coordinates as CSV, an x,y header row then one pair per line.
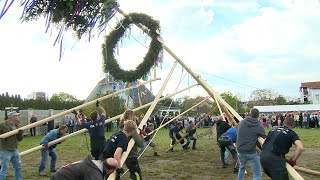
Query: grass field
x,y
203,163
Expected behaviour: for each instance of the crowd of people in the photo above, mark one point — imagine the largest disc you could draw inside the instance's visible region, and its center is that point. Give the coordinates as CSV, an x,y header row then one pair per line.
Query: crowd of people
x,y
241,142
306,120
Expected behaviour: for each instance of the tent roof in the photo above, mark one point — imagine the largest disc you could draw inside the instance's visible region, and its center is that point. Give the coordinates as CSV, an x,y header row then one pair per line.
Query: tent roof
x,y
289,108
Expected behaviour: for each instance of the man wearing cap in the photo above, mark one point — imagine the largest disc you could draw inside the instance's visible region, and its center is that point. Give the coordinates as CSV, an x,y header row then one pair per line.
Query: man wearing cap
x,y
87,169
9,146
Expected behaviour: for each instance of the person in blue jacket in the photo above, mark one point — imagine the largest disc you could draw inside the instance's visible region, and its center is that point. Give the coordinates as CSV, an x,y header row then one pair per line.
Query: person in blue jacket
x,y
226,141
49,150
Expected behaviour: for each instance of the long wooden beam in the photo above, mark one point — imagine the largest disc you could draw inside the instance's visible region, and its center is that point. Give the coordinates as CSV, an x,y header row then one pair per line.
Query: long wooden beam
x,y
206,86
107,121
308,171
144,120
45,120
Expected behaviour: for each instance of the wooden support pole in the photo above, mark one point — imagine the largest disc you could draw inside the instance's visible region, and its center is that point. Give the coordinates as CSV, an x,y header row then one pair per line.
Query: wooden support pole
x,y
163,125
144,120
206,86
229,115
307,171
45,120
196,126
107,121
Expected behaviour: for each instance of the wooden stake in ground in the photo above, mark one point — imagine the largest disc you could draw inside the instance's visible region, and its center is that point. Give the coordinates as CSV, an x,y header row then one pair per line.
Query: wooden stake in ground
x,y
185,135
43,121
144,120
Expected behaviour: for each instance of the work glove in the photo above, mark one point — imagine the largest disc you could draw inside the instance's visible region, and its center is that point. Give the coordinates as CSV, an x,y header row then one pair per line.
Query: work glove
x,y
97,103
20,132
45,146
75,112
120,170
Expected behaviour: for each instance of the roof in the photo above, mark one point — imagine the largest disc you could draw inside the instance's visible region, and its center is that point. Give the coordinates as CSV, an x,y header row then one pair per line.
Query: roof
x,y
315,84
289,108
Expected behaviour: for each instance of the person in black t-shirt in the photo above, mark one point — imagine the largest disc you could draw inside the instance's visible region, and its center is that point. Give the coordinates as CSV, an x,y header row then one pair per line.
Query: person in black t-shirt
x,y
118,143
276,145
96,129
174,134
222,127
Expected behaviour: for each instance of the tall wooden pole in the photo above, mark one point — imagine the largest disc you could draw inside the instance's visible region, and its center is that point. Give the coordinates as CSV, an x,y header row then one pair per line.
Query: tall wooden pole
x,y
204,84
107,121
45,120
144,120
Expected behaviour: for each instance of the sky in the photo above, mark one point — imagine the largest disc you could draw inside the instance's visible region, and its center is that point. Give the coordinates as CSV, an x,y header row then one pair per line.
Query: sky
x,y
235,46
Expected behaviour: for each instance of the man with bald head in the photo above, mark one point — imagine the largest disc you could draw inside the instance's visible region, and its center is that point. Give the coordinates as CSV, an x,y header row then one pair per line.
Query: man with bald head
x,y
87,169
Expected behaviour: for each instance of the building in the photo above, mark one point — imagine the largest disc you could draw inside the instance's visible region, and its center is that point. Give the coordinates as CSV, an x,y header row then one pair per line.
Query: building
x,y
133,99
310,92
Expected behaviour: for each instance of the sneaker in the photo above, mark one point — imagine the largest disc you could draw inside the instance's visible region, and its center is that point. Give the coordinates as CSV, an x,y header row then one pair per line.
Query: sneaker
x,y
156,154
53,170
194,148
42,174
224,166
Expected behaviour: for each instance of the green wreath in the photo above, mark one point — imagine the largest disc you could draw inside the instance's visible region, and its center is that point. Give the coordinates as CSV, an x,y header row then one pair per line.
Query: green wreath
x,y
108,48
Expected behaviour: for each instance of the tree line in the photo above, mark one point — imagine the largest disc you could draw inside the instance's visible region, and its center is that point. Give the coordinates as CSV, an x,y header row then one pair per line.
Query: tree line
x,y
57,101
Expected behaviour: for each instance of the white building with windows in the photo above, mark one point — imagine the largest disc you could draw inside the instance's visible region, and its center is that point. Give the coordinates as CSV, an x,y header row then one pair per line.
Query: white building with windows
x,y
310,92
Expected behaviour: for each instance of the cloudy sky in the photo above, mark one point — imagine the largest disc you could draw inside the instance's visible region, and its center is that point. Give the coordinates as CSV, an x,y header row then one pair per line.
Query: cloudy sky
x,y
236,46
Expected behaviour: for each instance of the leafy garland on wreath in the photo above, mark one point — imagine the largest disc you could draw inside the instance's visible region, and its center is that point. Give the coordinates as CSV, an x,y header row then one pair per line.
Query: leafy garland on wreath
x,y
110,45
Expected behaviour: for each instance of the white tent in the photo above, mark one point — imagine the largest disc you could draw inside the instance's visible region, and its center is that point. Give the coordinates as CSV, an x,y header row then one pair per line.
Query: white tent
x,y
288,108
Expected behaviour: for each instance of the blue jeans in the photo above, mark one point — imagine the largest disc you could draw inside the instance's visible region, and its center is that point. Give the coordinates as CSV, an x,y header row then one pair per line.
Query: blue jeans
x,y
44,155
254,162
189,138
5,158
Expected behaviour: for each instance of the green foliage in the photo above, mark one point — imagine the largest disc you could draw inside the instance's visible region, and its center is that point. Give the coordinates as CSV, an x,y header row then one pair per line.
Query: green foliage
x,y
203,108
232,100
82,16
108,48
54,103
113,106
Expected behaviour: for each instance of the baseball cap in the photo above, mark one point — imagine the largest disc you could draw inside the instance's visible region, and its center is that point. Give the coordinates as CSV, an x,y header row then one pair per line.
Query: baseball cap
x,y
13,113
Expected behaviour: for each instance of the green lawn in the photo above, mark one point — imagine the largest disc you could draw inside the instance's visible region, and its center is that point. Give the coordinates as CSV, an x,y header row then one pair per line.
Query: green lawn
x,y
203,163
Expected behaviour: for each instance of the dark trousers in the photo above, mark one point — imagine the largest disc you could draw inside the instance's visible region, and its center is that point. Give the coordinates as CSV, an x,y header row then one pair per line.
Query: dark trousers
x,y
173,140
226,143
96,148
33,131
274,166
134,168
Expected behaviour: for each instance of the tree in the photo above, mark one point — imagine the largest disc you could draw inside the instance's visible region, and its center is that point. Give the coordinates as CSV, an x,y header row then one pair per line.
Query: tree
x,y
280,100
263,94
232,100
188,102
61,97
